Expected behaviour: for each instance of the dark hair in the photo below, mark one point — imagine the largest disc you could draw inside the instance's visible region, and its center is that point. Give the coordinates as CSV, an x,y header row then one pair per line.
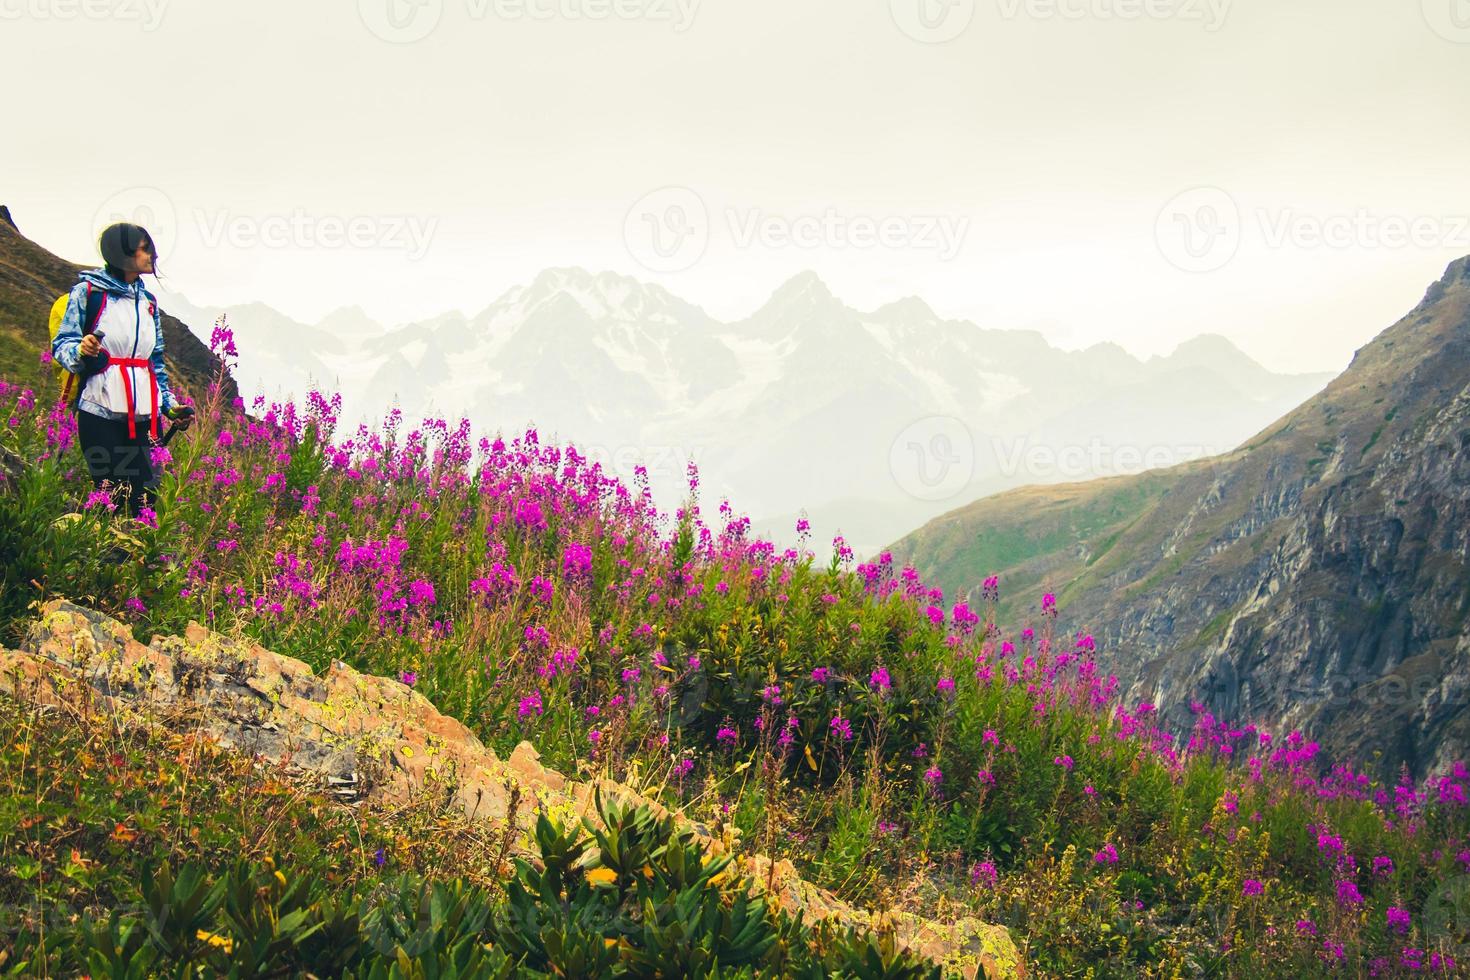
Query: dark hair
x,y
119,242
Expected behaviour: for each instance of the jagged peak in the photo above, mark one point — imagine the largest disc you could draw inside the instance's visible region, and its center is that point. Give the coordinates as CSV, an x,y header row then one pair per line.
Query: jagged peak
x,y
803,285
1457,274
908,309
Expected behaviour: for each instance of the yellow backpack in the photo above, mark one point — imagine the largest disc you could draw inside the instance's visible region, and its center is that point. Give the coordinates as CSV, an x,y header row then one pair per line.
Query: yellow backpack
x,y
69,386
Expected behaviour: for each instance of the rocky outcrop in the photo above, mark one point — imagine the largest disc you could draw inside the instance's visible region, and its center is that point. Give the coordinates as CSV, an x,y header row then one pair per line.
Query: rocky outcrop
x,y
373,738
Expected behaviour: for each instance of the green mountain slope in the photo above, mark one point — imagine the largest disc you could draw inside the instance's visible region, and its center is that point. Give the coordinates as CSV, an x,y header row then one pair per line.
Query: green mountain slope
x,y
1316,577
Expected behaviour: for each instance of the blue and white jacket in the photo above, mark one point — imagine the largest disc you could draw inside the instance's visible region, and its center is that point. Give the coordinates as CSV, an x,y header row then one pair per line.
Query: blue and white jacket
x,y
132,327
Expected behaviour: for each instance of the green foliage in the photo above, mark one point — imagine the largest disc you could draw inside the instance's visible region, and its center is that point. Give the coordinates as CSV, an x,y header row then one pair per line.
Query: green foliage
x,y
645,901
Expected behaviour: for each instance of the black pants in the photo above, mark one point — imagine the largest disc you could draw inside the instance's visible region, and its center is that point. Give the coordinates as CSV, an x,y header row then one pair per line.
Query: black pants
x,y
117,463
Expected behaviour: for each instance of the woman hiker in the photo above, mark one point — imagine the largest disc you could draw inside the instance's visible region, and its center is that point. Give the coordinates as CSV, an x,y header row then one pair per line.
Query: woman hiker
x,y
119,367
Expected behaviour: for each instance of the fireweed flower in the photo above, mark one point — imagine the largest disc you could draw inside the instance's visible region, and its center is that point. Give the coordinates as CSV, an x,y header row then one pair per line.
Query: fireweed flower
x,y
576,561
985,874
1252,887
100,498
879,680
1348,894
1398,919
821,675
1065,761
841,727
726,736
530,705
1108,855
409,678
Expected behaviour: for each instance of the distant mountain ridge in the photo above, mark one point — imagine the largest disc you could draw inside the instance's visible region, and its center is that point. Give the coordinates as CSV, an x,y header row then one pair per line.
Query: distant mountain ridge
x,y
795,407
1317,577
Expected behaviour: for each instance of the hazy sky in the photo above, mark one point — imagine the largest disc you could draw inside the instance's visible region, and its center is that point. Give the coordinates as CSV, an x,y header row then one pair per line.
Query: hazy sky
x,y
1290,173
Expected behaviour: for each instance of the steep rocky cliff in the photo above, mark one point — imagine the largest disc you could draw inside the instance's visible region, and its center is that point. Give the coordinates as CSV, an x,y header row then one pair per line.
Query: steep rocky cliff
x,y
1318,577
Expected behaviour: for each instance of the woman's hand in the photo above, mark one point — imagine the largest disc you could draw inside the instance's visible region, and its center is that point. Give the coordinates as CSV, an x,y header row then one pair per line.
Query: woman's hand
x,y
91,346
182,416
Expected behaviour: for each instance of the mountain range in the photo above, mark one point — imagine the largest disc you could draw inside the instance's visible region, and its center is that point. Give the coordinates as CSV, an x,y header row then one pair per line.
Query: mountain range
x,y
806,406
1316,577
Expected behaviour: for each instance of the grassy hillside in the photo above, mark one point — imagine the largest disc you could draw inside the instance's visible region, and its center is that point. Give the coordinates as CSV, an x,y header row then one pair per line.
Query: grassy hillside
x,y
1291,581
899,748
